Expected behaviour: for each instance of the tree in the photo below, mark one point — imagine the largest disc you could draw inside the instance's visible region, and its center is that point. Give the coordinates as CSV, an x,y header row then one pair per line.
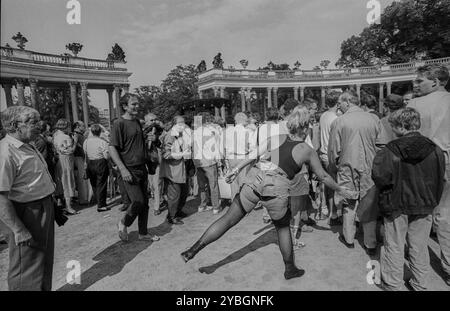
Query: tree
x,y
324,64
272,66
409,30
20,40
117,54
179,86
74,47
51,105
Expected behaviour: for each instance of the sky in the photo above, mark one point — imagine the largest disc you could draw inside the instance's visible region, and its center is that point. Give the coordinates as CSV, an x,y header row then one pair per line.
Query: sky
x,y
158,35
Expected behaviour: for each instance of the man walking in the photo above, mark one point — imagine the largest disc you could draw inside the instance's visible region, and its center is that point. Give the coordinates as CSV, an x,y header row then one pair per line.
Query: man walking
x,y
97,155
127,150
433,104
206,160
26,206
351,151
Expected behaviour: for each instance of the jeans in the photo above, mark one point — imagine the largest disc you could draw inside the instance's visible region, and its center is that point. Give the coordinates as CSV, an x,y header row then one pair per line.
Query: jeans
x,y
349,226
208,186
31,267
98,173
413,230
176,197
441,223
137,194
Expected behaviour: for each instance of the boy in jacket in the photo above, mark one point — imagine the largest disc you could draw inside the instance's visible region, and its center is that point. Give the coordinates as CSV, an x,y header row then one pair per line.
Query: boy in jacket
x,y
409,173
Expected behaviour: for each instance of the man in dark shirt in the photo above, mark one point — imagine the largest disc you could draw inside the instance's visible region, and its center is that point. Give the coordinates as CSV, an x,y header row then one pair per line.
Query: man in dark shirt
x,y
127,150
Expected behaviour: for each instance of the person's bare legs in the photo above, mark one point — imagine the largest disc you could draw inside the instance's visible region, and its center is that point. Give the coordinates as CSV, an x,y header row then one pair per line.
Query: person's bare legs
x,y
234,214
69,208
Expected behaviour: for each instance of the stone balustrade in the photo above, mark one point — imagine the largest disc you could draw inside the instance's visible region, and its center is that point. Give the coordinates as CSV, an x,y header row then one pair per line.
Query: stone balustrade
x,y
372,71
7,53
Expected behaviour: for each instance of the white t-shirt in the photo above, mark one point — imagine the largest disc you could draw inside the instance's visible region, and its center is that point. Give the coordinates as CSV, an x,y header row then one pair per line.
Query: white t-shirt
x,y
434,110
326,120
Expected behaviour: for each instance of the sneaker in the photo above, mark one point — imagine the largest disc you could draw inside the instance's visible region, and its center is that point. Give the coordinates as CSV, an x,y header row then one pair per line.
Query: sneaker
x,y
343,241
148,237
204,208
216,211
123,233
371,251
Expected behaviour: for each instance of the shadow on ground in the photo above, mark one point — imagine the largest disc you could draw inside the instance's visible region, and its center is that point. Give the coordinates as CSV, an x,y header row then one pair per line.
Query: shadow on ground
x,y
270,237
112,260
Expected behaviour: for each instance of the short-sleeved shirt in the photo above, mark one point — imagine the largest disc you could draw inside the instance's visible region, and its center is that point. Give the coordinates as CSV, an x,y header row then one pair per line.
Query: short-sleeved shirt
x,y
127,137
96,148
434,110
23,172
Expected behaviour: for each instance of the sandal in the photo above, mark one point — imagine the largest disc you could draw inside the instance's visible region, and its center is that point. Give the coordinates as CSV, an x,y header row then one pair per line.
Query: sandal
x,y
298,244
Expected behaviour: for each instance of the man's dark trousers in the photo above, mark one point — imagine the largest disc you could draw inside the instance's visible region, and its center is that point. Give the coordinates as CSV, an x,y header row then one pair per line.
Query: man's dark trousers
x,y
137,193
98,172
31,267
176,197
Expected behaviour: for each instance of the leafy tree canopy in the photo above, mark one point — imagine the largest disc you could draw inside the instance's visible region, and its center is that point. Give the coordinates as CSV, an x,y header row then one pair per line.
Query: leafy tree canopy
x,y
409,30
165,100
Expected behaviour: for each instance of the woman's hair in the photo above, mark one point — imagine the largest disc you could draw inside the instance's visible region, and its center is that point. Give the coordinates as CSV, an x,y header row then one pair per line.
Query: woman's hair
x,y
298,120
272,114
77,124
407,118
62,125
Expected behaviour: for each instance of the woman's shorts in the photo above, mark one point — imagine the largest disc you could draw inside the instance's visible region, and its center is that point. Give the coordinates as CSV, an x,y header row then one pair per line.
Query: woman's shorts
x,y
269,187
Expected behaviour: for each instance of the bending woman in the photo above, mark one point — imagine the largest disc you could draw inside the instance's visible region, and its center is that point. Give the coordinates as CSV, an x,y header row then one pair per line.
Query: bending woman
x,y
268,181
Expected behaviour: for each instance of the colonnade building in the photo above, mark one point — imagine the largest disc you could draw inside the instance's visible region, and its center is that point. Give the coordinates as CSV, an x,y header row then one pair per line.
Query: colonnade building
x,y
266,85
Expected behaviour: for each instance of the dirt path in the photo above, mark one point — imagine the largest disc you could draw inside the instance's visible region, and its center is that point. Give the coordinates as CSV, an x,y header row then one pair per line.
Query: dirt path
x,y
246,258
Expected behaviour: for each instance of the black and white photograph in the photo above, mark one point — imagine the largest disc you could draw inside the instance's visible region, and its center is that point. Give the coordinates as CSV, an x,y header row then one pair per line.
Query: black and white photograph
x,y
225,151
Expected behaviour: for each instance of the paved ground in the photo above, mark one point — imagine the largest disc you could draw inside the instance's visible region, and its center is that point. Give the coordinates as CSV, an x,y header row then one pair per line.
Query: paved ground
x,y
246,258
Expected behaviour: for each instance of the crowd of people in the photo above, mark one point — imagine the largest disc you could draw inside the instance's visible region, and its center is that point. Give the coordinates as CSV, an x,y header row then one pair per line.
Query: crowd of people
x,y
385,173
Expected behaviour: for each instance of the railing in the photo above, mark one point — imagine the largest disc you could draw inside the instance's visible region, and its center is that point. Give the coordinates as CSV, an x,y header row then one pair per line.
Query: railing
x,y
373,71
66,60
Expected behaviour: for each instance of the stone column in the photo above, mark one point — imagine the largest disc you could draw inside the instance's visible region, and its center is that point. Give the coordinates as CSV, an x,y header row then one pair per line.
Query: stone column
x,y
8,94
20,91
242,99
249,104
216,94
84,100
296,93
302,93
117,97
275,97
388,87
322,97
358,91
73,97
33,88
200,94
66,104
126,88
381,97
112,112
222,109
269,97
